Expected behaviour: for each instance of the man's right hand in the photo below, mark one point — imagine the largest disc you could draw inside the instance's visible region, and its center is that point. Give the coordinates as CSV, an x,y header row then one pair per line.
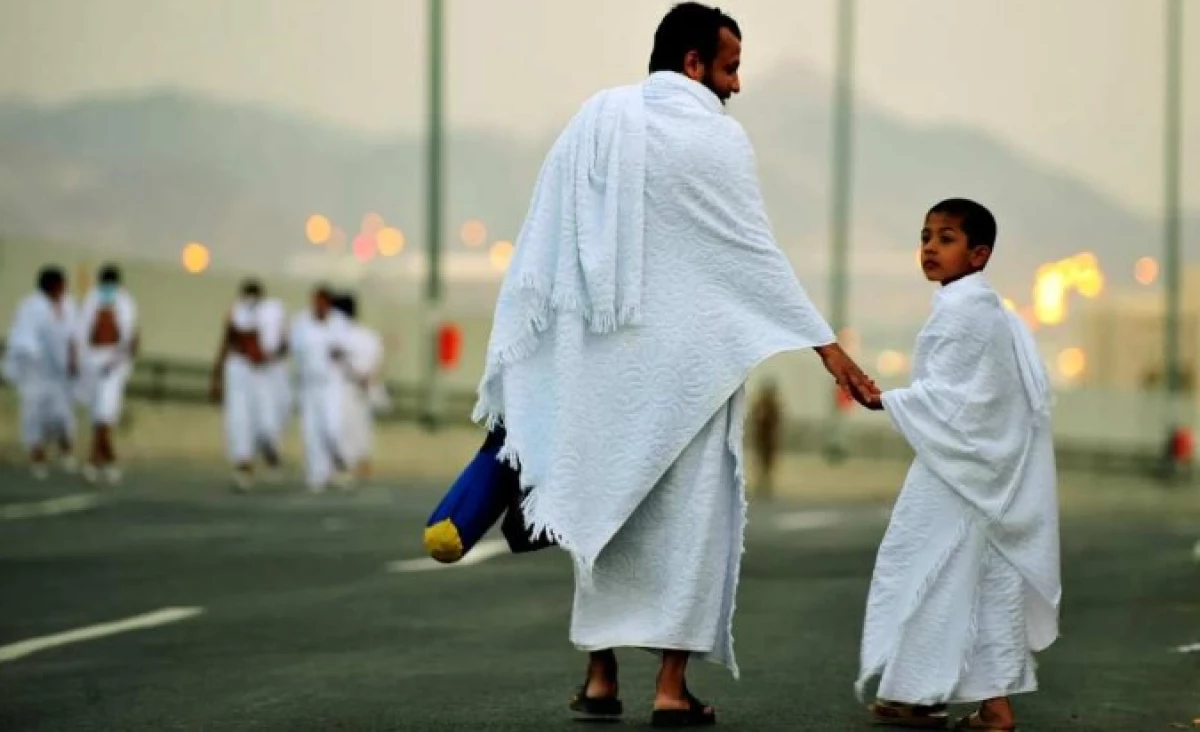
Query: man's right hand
x,y
849,376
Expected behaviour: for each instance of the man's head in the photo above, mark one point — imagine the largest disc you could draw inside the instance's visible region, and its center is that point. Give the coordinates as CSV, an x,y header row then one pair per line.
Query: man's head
x,y
252,290
957,240
108,282
52,282
703,44
322,301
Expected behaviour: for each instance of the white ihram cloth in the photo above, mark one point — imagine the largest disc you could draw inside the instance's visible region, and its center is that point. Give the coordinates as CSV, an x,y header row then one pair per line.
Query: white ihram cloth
x,y
364,358
36,361
645,286
105,369
966,584
321,391
253,413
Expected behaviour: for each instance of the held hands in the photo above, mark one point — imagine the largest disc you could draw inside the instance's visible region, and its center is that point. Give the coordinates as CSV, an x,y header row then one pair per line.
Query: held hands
x,y
850,377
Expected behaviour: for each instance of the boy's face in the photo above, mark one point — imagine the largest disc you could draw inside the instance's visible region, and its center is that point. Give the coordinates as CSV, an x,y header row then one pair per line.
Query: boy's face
x,y
946,254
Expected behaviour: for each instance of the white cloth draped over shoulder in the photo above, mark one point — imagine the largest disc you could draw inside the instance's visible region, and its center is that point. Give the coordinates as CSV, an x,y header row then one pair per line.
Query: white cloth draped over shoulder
x,y
39,338
979,505
600,373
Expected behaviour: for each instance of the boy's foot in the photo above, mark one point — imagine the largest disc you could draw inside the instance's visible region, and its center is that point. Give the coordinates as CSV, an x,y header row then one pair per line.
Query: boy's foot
x,y
69,464
911,716
40,471
112,475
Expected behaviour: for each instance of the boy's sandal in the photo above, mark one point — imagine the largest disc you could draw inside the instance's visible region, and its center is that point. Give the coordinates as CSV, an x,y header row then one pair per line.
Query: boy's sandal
x,y
975,722
912,716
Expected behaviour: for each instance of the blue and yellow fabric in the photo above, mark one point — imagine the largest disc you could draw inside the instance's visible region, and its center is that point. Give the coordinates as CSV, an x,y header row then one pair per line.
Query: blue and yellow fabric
x,y
476,501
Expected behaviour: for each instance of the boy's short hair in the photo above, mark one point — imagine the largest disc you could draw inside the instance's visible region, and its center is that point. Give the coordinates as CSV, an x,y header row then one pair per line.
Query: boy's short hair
x,y
973,218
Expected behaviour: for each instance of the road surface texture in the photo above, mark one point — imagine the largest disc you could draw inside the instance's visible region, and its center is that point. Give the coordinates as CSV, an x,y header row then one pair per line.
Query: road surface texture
x,y
171,603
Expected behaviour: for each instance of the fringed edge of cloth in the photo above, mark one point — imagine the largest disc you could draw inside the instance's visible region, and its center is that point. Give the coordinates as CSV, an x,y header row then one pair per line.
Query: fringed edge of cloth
x,y
875,668
539,308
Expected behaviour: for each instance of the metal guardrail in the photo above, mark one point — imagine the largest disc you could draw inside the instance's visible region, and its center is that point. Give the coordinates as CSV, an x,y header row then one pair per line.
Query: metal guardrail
x,y
177,380
181,381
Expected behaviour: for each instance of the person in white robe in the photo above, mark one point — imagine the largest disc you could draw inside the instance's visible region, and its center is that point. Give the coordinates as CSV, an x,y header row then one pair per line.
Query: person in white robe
x,y
966,584
645,286
41,361
245,379
363,383
108,344
318,342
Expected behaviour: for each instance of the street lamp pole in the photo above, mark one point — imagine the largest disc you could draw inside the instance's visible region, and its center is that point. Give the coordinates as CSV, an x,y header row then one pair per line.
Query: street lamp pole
x,y
433,212
841,190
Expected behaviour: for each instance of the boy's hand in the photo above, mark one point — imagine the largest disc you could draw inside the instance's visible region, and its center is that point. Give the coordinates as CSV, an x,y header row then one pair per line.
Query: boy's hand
x,y
848,375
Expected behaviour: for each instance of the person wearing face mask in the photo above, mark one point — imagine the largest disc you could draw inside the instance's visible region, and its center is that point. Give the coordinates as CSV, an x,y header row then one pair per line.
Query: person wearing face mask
x,y
245,380
108,344
40,360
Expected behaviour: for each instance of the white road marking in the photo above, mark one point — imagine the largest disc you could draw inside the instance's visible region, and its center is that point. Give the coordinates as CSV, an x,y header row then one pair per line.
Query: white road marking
x,y
479,554
807,520
1193,648
138,622
51,507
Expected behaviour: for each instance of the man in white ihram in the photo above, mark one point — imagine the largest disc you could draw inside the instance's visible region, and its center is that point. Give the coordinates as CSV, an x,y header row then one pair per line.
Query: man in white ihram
x,y
108,344
318,343
41,361
245,378
364,390
645,286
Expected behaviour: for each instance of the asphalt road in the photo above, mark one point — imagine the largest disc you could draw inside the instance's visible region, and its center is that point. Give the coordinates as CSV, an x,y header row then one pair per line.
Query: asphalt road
x,y
284,611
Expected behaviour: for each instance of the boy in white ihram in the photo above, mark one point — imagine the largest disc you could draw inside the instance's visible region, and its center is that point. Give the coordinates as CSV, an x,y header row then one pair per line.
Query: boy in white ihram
x,y
108,345
41,361
966,584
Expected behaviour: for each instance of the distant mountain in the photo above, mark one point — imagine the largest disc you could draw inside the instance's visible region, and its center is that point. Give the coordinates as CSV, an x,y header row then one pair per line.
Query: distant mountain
x,y
141,175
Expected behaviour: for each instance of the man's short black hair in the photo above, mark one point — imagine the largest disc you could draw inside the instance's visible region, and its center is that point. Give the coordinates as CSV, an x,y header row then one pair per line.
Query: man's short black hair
x,y
689,27
346,304
973,218
252,288
110,274
51,277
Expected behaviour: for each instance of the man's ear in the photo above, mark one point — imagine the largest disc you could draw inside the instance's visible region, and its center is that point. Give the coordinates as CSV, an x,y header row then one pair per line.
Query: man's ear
x,y
693,67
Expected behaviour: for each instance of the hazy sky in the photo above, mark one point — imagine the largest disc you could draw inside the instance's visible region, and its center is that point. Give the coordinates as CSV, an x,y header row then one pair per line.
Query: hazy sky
x,y
1077,83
